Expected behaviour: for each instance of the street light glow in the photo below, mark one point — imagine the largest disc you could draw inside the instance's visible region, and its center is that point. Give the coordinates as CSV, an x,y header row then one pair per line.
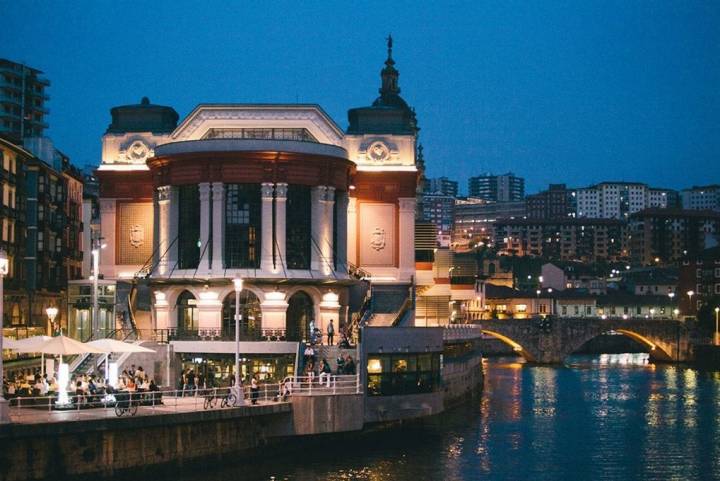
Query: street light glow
x,y
238,283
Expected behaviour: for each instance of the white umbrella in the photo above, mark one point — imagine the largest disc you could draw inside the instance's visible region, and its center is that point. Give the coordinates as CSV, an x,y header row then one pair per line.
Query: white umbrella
x,y
63,345
112,345
29,344
9,343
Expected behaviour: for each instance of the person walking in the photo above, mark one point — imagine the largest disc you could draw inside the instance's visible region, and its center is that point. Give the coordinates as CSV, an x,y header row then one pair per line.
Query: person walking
x,y
331,333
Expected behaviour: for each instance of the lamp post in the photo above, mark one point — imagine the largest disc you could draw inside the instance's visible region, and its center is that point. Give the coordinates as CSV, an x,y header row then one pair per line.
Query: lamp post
x,y
51,312
716,338
671,295
97,245
4,265
238,283
690,294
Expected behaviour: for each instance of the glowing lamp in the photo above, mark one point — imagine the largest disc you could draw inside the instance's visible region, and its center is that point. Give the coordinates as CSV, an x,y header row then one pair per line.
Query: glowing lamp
x,y
4,263
238,283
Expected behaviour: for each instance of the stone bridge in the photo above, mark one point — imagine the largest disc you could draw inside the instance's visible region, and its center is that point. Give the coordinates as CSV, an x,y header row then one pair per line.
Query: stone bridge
x,y
551,340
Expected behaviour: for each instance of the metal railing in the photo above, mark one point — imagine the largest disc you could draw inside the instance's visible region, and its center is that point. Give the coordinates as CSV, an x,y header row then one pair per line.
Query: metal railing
x,y
89,407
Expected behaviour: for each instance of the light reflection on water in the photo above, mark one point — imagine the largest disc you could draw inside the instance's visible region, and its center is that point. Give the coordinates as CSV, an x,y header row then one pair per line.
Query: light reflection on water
x,y
609,417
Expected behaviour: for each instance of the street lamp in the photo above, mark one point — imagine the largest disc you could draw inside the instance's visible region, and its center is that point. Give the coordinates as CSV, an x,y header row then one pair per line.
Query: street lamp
x,y
52,312
238,283
4,266
717,334
690,294
97,245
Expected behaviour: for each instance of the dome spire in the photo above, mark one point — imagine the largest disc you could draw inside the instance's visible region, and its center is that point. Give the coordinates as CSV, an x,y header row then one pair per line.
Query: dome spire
x,y
389,74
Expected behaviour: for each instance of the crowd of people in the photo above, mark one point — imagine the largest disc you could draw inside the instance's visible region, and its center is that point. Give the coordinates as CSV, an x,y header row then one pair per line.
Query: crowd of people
x,y
82,388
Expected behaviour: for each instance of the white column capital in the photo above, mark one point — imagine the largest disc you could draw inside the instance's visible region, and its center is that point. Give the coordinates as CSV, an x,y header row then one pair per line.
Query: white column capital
x,y
266,190
163,193
218,188
204,189
281,189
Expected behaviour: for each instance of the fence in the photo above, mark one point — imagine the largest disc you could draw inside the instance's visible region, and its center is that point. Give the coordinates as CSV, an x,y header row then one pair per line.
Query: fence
x,y
88,407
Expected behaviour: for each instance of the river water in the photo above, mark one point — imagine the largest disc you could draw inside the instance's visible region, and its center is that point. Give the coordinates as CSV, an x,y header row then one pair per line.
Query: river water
x,y
609,417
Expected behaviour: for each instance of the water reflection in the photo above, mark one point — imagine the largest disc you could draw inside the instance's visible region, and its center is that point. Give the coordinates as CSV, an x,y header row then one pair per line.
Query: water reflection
x,y
610,417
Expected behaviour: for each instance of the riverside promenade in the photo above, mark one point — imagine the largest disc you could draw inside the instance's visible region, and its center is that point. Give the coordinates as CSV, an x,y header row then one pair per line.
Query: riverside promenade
x,y
85,443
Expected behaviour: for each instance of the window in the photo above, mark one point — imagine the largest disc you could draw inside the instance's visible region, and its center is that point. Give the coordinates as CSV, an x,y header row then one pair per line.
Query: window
x,y
588,310
40,240
188,227
297,227
563,309
242,225
400,374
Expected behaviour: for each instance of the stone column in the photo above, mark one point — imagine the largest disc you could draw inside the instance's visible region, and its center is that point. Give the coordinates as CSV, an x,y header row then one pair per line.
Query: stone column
x,y
162,207
407,238
274,311
266,235
174,218
218,227
341,249
327,227
107,231
280,210
352,254
329,308
209,314
205,213
318,225
162,311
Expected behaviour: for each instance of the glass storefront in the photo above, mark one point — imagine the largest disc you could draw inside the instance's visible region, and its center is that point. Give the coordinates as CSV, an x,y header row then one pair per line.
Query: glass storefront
x,y
80,307
397,374
218,370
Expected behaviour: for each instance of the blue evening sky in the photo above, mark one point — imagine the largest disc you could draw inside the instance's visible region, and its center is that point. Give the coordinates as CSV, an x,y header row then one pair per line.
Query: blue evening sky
x,y
574,92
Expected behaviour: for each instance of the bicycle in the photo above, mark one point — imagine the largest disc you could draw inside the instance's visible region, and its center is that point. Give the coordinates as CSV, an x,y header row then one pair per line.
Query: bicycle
x,y
211,399
125,405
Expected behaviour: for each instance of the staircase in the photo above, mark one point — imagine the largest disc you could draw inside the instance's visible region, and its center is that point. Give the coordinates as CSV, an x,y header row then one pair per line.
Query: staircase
x,y
331,353
389,305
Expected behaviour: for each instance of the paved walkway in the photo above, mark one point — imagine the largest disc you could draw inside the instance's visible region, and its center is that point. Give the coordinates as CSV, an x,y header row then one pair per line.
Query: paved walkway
x,y
170,405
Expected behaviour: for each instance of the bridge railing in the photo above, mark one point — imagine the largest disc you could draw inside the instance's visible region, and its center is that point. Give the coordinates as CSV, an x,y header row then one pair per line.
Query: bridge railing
x,y
458,332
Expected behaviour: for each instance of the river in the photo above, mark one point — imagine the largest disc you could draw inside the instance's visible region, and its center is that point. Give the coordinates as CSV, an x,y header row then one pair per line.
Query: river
x,y
609,417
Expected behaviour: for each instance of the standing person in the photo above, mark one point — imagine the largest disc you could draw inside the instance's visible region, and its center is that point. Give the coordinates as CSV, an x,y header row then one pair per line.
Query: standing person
x,y
254,390
331,333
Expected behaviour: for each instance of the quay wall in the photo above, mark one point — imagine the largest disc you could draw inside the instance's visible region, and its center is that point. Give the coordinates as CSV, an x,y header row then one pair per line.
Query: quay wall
x,y
105,447
462,377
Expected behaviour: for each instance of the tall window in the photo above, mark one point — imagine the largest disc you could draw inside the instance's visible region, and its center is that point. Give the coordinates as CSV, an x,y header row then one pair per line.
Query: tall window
x,y
188,319
297,227
242,225
188,227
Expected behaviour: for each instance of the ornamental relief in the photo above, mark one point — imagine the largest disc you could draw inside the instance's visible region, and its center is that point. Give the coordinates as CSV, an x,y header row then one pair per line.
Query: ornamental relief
x,y
377,239
137,235
136,152
378,152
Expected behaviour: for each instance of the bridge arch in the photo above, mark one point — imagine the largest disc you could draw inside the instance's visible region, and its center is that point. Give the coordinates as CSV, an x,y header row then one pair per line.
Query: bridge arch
x,y
517,347
656,351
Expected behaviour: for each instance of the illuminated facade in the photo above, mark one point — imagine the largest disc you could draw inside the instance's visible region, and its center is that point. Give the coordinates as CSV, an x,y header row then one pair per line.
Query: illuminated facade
x,y
277,194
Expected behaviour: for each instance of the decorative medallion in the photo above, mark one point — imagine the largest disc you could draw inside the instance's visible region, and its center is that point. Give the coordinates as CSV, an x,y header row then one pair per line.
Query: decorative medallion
x,y
378,152
137,235
377,239
137,152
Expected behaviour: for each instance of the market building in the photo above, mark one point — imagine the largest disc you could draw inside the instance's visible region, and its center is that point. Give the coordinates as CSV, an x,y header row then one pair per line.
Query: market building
x,y
276,194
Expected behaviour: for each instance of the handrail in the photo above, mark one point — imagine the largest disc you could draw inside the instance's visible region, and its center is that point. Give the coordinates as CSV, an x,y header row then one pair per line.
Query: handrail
x,y
403,310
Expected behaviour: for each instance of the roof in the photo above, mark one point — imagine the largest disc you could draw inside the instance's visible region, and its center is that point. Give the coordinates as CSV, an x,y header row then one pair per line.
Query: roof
x,y
677,213
142,117
618,297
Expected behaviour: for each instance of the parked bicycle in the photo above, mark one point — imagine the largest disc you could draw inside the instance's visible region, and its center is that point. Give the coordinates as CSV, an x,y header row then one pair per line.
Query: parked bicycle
x,y
124,404
211,400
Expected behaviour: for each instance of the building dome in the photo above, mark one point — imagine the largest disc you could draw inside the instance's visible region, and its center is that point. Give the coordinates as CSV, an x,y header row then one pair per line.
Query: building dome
x,y
389,113
143,117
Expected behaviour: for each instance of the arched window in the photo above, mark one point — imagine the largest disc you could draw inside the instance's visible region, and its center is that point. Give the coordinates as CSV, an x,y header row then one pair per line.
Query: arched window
x,y
187,312
300,316
250,316
242,225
